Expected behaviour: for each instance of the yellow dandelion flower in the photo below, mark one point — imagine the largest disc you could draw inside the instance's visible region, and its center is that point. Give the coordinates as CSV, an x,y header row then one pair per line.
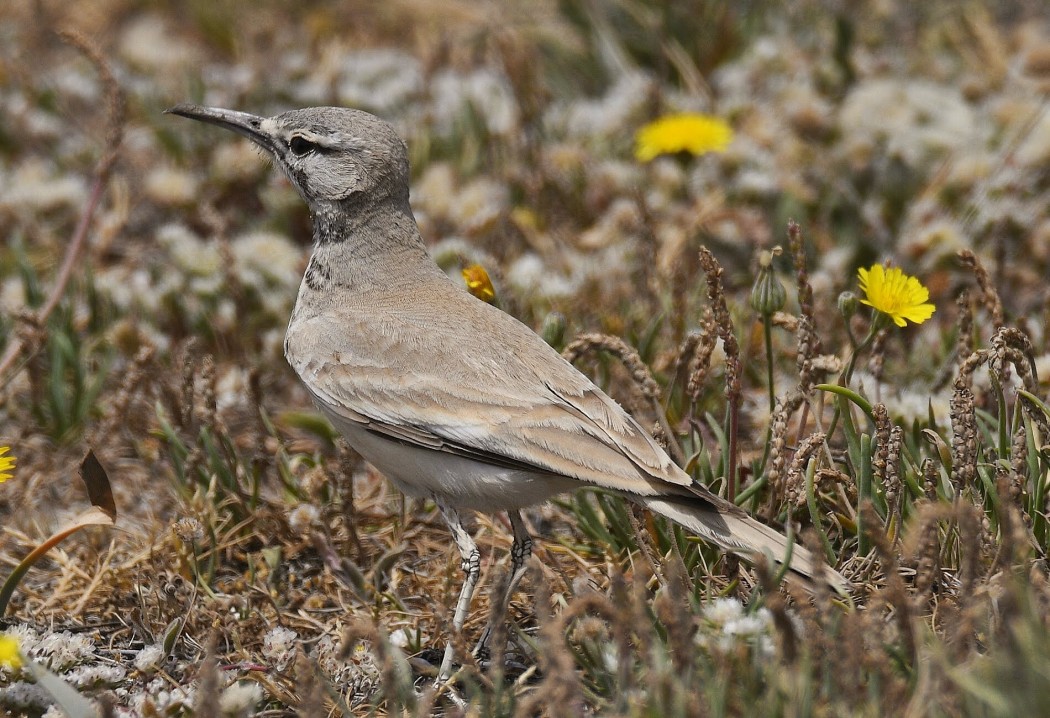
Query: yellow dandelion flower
x,y
895,294
7,463
478,283
687,132
10,656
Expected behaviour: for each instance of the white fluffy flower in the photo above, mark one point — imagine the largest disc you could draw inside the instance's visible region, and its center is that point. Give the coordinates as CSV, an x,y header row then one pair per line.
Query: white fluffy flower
x,y
608,115
479,204
359,670
36,187
279,646
723,610
240,698
164,700
24,697
189,252
755,629
484,92
149,658
95,675
749,625
730,626
149,42
170,186
265,260
434,192
531,277
62,650
402,637
381,81
302,517
914,120
1042,367
1034,150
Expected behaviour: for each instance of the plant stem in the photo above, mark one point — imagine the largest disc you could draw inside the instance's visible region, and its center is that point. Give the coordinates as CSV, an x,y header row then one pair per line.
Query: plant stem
x,y
734,421
878,321
767,327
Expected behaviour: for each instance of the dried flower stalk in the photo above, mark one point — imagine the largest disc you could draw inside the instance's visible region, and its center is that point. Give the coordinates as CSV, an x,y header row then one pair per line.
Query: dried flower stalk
x,y
989,297
964,436
778,450
796,481
700,364
724,323
805,290
964,343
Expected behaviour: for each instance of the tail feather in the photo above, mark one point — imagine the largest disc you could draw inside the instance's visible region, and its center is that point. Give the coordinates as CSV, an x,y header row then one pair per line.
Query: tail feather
x,y
743,535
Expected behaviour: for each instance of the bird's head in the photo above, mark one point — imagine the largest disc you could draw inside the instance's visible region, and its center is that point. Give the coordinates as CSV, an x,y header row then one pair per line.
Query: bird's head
x,y
333,155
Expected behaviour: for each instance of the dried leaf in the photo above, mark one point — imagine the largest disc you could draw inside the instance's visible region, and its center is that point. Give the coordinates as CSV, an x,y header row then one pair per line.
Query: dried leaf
x,y
97,482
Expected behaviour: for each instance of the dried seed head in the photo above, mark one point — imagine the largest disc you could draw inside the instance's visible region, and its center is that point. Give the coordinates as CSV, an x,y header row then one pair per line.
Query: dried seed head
x,y
796,481
930,479
724,323
989,297
778,449
964,436
785,321
887,454
808,344
922,543
700,363
826,364
1019,454
893,485
206,409
188,530
592,342
805,291
964,343
1012,346
776,603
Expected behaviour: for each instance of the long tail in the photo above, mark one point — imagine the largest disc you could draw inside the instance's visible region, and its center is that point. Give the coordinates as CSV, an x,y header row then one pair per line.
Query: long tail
x,y
737,532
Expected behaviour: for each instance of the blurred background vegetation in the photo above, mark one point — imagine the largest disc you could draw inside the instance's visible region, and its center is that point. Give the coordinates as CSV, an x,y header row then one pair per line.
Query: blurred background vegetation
x,y
914,134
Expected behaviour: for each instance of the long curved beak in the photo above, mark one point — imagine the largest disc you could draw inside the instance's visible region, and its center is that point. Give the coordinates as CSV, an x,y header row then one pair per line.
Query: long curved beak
x,y
243,123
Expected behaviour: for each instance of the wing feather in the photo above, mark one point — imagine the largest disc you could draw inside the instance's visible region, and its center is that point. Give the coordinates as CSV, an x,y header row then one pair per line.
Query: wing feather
x,y
531,409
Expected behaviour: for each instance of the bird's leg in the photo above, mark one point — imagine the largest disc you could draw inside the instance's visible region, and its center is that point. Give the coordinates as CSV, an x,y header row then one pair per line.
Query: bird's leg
x,y
520,551
468,551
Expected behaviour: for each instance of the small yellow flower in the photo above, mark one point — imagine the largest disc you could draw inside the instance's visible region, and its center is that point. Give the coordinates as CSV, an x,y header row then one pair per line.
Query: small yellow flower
x,y
7,463
895,294
689,132
9,653
478,283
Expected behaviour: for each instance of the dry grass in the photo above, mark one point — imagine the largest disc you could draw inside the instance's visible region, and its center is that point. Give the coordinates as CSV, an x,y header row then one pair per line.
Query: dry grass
x,y
260,566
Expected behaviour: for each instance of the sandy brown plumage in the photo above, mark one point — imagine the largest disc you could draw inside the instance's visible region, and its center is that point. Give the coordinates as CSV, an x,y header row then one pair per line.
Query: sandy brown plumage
x,y
446,395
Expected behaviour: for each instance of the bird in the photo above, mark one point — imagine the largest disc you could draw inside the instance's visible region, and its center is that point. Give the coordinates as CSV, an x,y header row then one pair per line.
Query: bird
x,y
448,396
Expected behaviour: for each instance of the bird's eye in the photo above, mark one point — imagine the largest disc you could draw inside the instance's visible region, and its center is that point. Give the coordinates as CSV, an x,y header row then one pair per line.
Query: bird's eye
x,y
301,146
